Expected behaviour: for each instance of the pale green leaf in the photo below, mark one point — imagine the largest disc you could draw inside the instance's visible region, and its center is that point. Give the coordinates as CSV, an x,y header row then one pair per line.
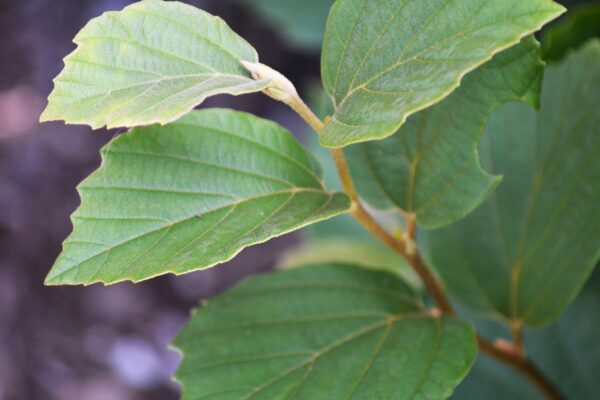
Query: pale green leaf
x,y
526,252
384,60
349,250
430,167
189,195
325,332
150,63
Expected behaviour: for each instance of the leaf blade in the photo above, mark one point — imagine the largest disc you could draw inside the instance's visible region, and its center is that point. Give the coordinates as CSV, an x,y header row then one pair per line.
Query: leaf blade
x,y
127,72
376,82
190,195
538,247
332,315
430,167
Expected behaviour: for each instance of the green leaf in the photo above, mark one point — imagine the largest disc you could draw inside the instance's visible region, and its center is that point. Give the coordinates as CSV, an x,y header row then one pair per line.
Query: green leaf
x,y
528,250
575,28
189,195
430,167
150,63
349,250
567,352
322,332
385,60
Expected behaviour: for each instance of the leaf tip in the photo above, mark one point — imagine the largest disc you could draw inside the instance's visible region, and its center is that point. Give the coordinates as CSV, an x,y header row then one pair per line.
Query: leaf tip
x,y
52,280
46,115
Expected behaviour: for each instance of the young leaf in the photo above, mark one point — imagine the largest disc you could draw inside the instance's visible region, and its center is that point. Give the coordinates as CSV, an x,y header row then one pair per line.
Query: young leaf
x,y
150,63
430,167
189,195
330,332
528,250
385,60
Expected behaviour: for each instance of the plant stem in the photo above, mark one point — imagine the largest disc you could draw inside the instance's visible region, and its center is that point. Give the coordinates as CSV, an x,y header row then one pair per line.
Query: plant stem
x,y
400,246
307,114
404,248
517,335
519,362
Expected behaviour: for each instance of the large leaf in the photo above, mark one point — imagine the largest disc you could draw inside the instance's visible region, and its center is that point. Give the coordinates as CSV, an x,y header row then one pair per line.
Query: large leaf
x,y
430,167
568,352
322,332
386,59
190,195
528,250
150,63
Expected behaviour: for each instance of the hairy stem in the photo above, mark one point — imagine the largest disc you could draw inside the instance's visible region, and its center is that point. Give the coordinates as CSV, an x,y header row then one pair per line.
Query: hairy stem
x,y
405,247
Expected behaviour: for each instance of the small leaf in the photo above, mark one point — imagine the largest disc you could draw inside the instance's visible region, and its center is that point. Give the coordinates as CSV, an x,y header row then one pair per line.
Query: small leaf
x,y
150,63
526,252
385,60
430,167
322,332
189,195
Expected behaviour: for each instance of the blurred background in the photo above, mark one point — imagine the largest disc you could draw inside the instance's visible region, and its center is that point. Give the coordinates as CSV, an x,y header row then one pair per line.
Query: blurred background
x,y
110,343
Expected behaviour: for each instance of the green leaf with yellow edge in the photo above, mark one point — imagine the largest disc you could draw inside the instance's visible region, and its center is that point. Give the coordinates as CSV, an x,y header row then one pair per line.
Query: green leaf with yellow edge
x,y
150,63
190,195
384,60
322,332
528,250
430,167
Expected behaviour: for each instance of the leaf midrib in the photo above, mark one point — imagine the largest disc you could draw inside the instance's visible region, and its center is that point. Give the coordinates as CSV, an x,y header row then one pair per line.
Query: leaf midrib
x,y
522,259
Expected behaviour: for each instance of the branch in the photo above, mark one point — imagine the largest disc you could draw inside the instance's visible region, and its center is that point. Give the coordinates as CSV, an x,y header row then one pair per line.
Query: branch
x,y
510,355
400,246
519,362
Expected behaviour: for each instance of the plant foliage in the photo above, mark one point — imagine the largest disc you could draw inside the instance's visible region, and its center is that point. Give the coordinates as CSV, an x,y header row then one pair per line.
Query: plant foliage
x,y
436,102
